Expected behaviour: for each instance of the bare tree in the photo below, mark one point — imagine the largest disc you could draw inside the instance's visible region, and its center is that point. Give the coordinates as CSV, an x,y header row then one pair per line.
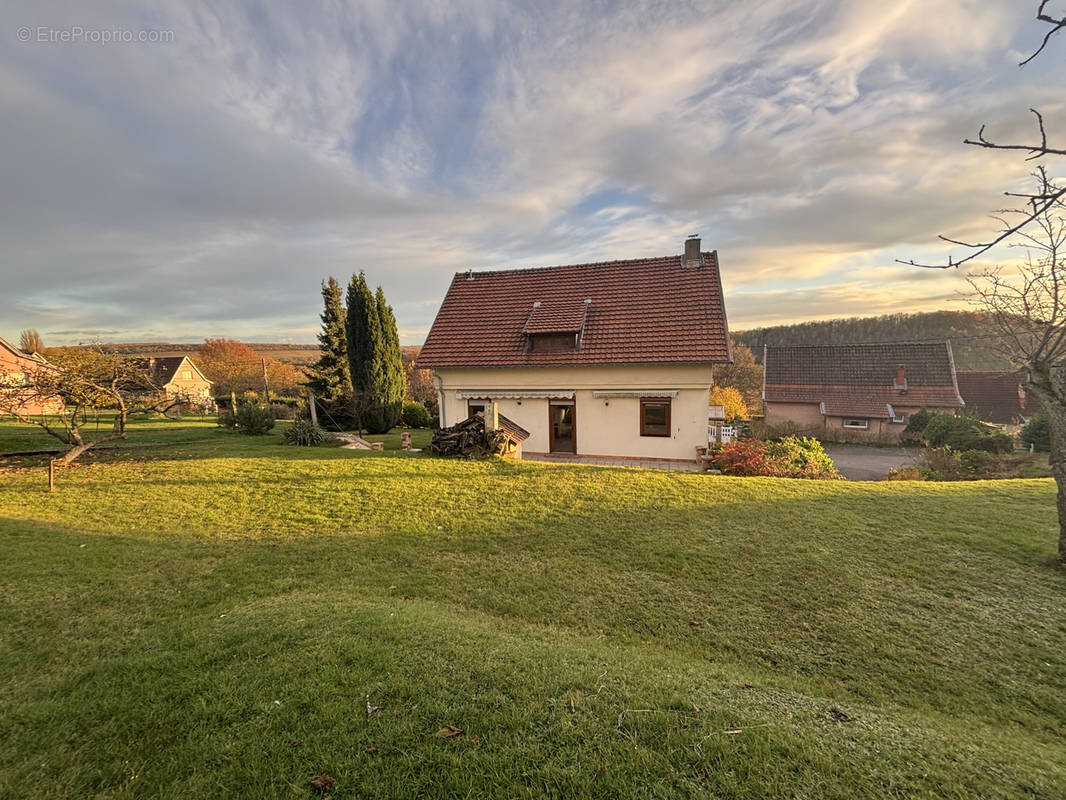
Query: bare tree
x,y
80,383
30,341
1027,302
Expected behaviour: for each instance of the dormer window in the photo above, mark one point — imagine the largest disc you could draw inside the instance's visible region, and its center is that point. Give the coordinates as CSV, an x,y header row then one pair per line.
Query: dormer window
x,y
552,342
555,326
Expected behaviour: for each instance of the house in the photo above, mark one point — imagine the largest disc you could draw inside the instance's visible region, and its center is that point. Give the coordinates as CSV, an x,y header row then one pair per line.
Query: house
x,y
609,360
857,392
180,379
19,372
995,396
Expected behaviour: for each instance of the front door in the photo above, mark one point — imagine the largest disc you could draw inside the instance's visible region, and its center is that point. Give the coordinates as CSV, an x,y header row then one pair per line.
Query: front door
x,y
562,426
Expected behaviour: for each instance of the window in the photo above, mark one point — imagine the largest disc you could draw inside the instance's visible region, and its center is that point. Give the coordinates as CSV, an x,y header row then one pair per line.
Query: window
x,y
899,419
655,416
552,342
859,424
476,406
186,374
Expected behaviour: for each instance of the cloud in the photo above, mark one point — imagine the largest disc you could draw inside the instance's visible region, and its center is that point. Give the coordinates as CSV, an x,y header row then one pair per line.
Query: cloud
x,y
205,186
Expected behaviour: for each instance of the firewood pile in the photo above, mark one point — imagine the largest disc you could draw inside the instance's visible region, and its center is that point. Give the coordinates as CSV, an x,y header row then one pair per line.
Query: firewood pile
x,y
468,439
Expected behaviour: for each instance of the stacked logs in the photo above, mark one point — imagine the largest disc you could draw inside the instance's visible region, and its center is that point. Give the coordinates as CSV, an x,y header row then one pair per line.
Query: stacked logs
x,y
468,439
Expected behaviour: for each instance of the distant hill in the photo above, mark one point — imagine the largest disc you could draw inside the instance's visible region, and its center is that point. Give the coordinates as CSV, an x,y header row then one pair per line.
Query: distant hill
x,y
296,354
973,336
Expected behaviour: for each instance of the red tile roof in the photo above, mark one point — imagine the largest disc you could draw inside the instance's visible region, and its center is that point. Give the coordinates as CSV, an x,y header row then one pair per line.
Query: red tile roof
x,y
558,317
859,379
650,310
994,396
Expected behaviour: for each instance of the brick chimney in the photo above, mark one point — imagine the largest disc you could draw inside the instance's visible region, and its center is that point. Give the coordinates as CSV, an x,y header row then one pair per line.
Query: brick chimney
x,y
901,378
692,252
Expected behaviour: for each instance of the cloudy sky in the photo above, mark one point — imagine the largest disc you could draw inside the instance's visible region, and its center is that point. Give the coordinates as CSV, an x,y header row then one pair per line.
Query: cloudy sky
x,y
202,177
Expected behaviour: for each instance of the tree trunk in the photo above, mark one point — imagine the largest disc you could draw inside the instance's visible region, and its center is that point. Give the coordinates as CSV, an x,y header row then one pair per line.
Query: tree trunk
x,y
1041,388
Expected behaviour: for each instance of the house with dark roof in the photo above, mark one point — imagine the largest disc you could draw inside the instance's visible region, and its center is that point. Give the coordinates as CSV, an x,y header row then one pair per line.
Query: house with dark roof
x,y
609,360
20,382
995,396
857,392
180,379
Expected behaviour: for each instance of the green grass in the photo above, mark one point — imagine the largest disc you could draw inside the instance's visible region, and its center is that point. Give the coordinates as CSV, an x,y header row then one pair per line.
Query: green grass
x,y
205,618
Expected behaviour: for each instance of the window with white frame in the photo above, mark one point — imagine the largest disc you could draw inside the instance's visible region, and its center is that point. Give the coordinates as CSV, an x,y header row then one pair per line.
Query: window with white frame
x,y
899,419
857,424
186,374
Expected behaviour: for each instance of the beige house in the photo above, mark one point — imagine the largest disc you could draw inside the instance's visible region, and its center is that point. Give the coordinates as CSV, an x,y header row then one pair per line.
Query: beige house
x,y
181,379
857,392
19,373
609,360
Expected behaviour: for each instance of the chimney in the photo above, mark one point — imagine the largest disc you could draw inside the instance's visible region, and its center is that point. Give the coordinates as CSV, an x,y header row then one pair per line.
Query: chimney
x,y
901,378
692,252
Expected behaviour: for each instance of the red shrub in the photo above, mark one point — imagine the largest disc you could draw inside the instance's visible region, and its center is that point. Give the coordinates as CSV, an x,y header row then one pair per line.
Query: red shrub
x,y
746,457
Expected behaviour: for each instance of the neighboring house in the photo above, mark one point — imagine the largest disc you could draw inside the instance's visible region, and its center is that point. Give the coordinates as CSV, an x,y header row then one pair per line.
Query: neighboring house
x,y
608,360
857,392
18,374
181,379
995,396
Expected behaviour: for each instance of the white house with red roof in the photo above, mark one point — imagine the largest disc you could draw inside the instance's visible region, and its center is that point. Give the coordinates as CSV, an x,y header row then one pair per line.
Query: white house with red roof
x,y
610,360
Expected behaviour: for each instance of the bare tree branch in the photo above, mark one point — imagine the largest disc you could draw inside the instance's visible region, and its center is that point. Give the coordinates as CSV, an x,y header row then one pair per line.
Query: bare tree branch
x,y
1057,25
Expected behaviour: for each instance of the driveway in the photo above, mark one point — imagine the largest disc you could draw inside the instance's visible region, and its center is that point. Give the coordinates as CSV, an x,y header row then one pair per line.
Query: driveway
x,y
862,463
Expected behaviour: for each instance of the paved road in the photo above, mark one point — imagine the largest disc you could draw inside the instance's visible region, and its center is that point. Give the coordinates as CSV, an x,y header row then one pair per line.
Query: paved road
x,y
862,463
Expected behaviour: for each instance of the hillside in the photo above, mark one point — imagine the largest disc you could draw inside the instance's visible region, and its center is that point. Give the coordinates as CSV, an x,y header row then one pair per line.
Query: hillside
x,y
973,336
589,632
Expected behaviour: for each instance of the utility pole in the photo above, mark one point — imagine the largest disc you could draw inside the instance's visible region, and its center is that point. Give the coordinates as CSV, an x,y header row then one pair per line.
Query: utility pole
x,y
266,383
311,407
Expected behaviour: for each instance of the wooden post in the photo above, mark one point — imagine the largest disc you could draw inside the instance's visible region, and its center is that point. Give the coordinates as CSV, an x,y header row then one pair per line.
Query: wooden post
x,y
233,401
266,383
311,406
51,474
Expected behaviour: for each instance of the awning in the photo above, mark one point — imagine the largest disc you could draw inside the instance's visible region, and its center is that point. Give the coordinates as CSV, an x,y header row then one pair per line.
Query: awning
x,y
513,394
636,393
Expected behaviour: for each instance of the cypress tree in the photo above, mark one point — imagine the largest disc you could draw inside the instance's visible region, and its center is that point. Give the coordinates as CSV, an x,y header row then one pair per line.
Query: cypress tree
x,y
330,376
363,329
393,380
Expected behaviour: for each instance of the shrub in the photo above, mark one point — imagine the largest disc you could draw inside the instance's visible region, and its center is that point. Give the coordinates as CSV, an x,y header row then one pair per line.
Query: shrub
x,y
918,421
745,457
283,410
964,433
802,457
254,418
731,401
913,474
791,457
1037,432
226,419
415,415
303,433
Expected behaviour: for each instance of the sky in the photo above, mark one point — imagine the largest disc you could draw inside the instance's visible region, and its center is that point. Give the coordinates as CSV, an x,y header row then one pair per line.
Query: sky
x,y
170,172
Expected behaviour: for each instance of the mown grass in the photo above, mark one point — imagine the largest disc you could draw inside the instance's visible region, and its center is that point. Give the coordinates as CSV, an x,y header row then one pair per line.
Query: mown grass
x,y
206,619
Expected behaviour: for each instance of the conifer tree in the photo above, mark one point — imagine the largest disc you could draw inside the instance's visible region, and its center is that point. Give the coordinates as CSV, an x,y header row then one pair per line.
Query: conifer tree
x,y
363,328
393,381
330,377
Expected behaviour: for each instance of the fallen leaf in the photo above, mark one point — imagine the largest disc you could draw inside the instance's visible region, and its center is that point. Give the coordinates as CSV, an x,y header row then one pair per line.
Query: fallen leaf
x,y
370,750
392,587
448,731
695,624
839,713
323,783
474,740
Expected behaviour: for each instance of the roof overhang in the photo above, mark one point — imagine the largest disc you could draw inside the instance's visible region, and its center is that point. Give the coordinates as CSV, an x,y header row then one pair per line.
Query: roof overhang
x,y
513,394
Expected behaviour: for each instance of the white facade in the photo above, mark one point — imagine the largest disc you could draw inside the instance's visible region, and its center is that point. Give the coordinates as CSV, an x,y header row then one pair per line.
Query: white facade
x,y
605,403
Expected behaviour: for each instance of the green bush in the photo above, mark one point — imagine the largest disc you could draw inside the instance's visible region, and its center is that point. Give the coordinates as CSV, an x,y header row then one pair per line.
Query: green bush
x,y
415,415
226,419
1037,432
802,457
918,421
965,433
303,433
254,418
283,410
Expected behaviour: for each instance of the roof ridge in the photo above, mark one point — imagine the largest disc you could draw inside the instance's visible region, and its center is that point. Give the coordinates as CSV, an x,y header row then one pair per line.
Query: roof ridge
x,y
713,254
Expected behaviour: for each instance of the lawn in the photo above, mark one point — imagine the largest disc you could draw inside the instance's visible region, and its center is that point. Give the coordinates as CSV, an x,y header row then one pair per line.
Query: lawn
x,y
205,614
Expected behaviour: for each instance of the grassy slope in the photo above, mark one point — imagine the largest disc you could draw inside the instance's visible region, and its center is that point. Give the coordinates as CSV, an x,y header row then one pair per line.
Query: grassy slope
x,y
210,624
